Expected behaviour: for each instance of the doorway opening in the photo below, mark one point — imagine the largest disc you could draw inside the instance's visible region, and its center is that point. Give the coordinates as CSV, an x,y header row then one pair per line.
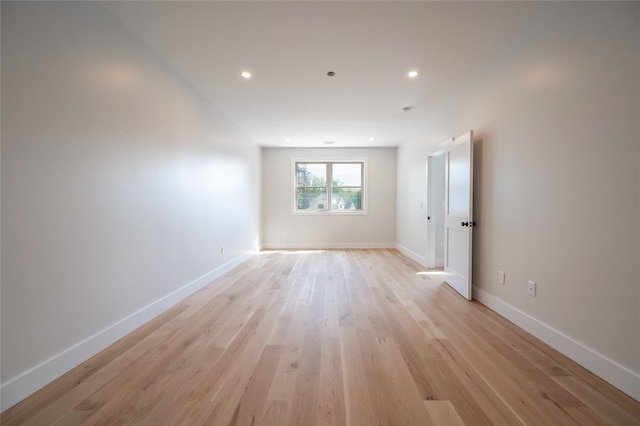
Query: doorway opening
x,y
435,210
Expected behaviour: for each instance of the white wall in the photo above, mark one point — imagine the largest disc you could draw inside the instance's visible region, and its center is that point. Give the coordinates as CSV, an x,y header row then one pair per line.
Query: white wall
x,y
557,183
282,229
119,186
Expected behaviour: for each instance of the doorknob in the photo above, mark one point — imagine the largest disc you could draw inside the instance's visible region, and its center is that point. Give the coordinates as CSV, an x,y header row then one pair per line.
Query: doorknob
x,y
464,223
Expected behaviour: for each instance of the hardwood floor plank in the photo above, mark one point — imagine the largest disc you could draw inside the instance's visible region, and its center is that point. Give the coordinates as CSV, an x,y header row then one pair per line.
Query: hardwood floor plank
x,y
331,410
359,408
274,413
344,307
522,396
286,374
501,341
249,340
383,400
327,337
120,368
403,387
254,398
282,388
56,396
182,413
609,410
231,386
585,416
455,320
304,406
415,352
73,417
565,367
178,384
491,402
63,404
126,406
443,413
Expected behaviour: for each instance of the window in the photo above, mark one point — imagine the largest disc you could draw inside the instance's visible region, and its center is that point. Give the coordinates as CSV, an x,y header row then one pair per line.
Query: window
x,y
330,186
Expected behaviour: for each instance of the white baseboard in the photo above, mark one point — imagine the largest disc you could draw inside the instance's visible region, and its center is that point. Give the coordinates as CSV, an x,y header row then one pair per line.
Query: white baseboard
x,y
619,376
20,387
320,246
413,255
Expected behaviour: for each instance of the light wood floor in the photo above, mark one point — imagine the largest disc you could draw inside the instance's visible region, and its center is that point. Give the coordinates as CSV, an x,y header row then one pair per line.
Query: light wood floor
x,y
356,337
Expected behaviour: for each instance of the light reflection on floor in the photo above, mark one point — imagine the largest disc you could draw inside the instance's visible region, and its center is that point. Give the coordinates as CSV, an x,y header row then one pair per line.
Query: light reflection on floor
x,y
432,272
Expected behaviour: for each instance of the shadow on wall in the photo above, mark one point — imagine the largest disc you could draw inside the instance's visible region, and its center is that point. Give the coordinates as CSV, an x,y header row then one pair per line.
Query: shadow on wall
x,y
478,146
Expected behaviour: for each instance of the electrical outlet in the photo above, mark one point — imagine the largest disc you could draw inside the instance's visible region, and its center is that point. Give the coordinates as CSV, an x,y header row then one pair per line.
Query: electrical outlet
x,y
221,251
501,277
531,288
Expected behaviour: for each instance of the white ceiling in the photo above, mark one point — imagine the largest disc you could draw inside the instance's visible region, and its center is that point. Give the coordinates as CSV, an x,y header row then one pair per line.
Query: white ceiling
x,y
290,46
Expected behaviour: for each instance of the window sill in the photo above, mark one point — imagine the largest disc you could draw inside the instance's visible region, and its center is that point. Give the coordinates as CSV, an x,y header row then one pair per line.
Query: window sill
x,y
330,213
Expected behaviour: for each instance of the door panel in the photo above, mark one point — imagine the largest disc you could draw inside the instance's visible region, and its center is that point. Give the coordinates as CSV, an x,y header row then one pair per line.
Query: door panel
x,y
458,203
457,243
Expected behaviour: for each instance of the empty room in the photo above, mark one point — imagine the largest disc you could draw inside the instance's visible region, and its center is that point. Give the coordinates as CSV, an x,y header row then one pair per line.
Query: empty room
x,y
320,212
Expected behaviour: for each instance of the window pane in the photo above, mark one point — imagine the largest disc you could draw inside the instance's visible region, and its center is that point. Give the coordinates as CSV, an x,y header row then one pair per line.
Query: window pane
x,y
312,198
311,174
347,174
346,199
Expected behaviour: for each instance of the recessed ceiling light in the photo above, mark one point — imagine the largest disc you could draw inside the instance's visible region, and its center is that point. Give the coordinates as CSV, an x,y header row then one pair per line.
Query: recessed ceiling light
x,y
287,139
245,74
413,74
371,139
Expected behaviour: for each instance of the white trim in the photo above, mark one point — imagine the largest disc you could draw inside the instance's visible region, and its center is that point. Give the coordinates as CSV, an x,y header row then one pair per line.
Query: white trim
x,y
320,246
330,213
20,387
412,254
619,376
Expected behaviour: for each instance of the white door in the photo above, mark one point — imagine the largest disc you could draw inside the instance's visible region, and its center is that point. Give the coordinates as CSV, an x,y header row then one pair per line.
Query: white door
x,y
459,213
